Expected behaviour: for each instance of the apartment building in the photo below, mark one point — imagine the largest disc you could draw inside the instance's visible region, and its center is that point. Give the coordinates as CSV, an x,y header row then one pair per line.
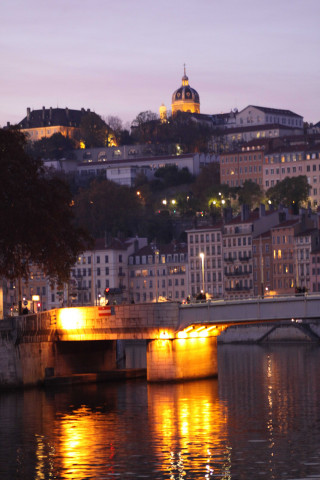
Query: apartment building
x,y
315,270
158,273
292,161
243,164
206,261
262,264
105,266
306,242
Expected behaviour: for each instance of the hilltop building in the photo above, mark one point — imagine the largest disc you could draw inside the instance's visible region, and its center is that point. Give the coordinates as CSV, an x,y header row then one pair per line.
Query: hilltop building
x,y
254,115
45,122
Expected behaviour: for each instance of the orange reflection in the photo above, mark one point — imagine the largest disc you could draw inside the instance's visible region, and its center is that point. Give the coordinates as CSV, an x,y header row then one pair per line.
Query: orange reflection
x,y
80,442
193,425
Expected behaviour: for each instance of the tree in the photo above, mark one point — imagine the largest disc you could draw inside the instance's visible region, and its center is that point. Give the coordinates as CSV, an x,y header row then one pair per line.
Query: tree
x,y
108,207
171,175
93,130
115,125
36,216
291,192
208,181
144,127
250,193
56,146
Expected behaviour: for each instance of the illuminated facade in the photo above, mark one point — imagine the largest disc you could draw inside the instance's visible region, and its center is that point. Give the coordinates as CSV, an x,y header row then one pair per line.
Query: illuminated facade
x,y
48,121
185,98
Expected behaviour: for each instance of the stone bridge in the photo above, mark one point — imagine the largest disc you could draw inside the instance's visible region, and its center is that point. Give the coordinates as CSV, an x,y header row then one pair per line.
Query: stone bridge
x,y
181,339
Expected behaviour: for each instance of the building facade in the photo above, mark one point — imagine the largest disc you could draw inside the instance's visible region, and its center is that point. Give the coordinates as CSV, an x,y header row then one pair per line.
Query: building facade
x,y
206,261
245,163
45,122
159,273
257,115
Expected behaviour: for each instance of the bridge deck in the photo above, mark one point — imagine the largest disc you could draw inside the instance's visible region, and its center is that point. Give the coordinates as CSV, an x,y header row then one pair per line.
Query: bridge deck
x,y
157,320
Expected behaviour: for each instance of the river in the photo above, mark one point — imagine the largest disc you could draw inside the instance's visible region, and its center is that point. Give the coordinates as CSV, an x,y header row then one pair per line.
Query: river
x,y
259,420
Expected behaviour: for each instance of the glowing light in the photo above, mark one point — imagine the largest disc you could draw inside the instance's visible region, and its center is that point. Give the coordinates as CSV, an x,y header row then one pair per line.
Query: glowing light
x,y
182,334
164,335
193,334
211,328
200,329
71,318
188,329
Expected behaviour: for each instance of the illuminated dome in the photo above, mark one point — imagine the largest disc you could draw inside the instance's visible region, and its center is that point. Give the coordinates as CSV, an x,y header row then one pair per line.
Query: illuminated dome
x,y
185,98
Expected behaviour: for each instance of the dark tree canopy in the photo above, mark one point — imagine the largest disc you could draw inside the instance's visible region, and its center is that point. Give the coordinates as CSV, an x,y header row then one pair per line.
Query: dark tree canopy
x,y
172,175
249,194
180,131
94,131
35,214
56,146
106,207
207,182
291,192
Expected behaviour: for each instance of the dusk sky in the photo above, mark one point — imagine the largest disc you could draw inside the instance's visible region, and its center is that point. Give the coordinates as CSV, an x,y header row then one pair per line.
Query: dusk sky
x,y
123,57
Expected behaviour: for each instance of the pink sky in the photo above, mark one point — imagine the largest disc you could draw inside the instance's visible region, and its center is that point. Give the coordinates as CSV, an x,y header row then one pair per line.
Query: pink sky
x,y
121,58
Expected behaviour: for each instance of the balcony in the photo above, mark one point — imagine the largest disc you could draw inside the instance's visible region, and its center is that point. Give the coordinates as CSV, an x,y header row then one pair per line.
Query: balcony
x,y
229,259
238,288
237,273
245,258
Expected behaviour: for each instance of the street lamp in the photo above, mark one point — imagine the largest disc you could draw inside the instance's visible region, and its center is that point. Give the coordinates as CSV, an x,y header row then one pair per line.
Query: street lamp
x,y
157,265
202,269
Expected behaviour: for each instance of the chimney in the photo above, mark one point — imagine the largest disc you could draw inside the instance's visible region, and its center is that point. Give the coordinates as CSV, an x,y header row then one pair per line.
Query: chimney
x,y
28,114
50,114
244,212
67,113
227,214
43,113
262,210
8,124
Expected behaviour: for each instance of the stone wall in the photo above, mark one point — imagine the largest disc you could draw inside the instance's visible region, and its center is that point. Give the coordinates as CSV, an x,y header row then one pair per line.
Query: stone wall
x,y
181,359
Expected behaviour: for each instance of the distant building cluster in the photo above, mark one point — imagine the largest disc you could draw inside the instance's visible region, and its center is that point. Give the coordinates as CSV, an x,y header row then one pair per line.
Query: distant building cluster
x,y
264,252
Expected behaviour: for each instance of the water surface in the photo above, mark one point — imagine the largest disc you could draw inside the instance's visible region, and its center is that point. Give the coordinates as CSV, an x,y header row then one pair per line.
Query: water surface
x,y
260,419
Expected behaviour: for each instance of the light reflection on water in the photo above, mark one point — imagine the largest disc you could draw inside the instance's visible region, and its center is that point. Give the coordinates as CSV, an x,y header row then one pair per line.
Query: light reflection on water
x,y
261,419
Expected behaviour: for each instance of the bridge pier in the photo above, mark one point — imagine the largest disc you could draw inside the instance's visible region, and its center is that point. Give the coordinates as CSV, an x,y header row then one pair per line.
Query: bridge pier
x,y
181,359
